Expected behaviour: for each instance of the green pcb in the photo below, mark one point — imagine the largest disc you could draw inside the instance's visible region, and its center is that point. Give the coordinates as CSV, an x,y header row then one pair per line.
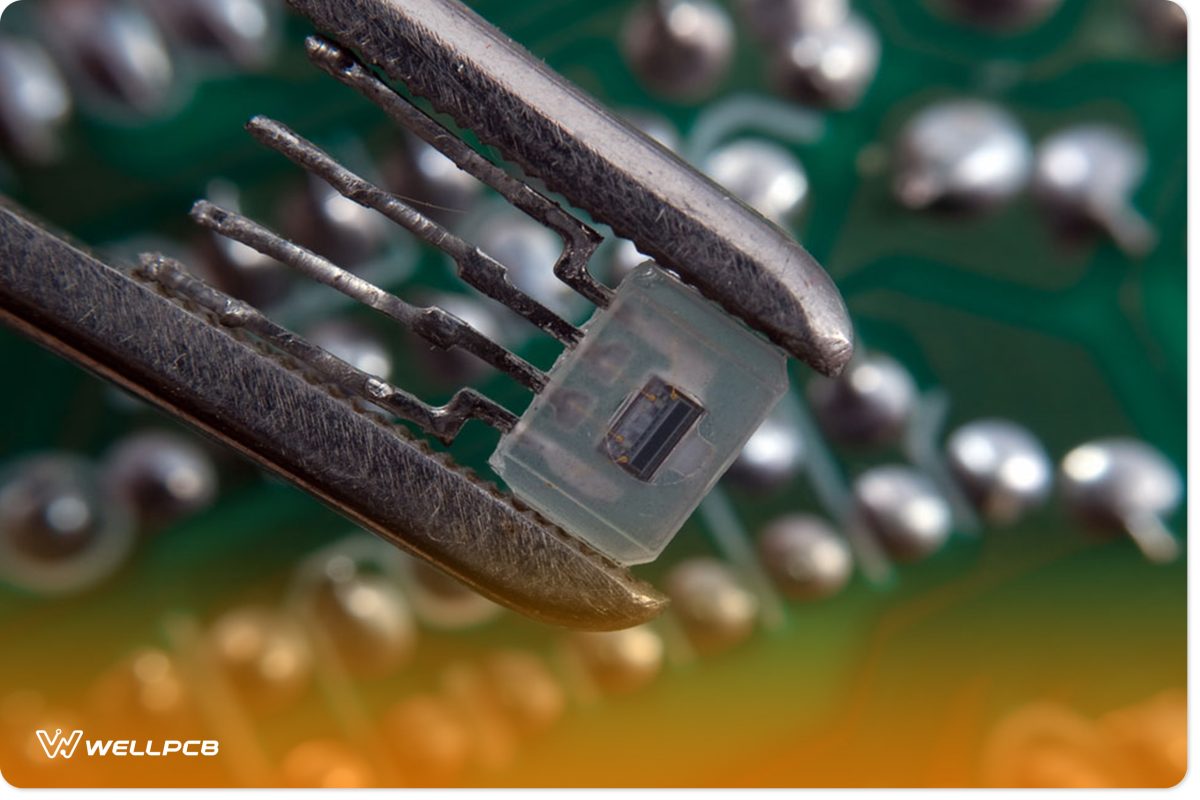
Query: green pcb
x,y
902,680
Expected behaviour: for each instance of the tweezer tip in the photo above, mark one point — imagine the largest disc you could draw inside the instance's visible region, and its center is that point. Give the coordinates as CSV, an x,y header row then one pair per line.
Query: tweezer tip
x,y
643,608
813,324
836,350
627,603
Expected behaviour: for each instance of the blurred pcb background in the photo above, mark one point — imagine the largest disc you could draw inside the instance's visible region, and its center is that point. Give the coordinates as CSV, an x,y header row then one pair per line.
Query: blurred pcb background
x,y
997,187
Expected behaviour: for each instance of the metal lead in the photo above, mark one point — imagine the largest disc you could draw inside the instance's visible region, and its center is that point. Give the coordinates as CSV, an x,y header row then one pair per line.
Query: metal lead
x,y
579,240
475,267
436,326
444,422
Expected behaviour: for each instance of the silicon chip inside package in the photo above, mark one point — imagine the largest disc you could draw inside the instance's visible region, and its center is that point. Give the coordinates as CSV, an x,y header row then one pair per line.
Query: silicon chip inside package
x,y
642,417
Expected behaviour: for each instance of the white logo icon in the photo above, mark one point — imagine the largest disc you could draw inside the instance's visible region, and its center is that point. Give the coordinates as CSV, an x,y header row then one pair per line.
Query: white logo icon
x,y
59,745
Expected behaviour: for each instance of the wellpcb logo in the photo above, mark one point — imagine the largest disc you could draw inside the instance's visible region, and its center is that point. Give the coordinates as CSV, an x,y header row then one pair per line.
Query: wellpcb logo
x,y
59,745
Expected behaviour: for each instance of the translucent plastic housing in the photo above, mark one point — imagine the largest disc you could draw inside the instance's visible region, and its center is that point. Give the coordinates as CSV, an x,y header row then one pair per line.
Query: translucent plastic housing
x,y
641,419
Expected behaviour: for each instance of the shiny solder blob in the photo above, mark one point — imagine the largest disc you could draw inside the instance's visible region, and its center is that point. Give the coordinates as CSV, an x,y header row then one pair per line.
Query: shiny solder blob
x,y
1124,486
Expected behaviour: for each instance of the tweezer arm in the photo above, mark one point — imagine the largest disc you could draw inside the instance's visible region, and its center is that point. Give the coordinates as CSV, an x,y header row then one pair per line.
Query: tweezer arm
x,y
124,331
489,84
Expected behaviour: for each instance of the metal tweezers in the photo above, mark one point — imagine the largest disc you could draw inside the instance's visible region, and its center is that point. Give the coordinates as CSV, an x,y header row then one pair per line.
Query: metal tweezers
x,y
221,365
